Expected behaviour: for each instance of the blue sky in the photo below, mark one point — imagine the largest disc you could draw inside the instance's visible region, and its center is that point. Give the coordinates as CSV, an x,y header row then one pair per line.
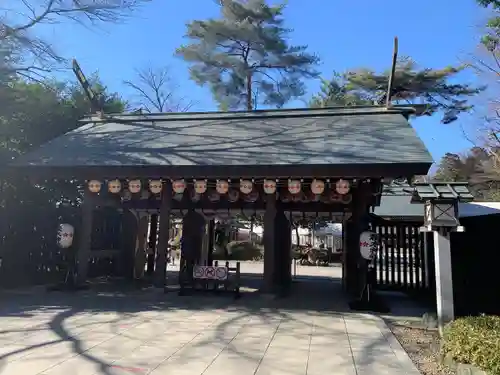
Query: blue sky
x,y
345,34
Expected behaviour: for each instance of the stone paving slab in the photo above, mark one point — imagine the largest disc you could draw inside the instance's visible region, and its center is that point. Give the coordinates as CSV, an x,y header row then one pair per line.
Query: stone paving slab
x,y
156,334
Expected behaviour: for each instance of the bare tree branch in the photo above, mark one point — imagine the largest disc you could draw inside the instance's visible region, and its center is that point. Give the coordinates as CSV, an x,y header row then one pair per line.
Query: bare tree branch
x,y
156,91
18,25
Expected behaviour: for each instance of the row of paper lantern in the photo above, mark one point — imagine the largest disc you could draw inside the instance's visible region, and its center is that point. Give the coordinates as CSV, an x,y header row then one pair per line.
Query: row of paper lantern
x,y
342,187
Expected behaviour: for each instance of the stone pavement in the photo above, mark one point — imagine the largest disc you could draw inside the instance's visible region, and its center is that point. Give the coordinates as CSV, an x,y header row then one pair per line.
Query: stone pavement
x,y
90,333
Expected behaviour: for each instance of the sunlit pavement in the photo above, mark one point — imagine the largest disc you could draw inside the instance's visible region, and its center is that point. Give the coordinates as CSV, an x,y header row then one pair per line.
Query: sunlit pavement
x,y
148,332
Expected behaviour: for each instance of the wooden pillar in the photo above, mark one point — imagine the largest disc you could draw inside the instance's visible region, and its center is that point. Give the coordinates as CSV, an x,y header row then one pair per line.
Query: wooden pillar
x,y
354,228
283,252
140,255
211,241
269,244
163,235
193,225
444,280
84,238
153,238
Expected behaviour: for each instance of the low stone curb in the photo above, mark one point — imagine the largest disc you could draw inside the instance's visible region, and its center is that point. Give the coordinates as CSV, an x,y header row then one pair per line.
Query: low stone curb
x,y
461,368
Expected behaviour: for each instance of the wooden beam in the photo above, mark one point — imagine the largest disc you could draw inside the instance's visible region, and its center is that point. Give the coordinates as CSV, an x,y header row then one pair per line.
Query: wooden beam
x,y
163,235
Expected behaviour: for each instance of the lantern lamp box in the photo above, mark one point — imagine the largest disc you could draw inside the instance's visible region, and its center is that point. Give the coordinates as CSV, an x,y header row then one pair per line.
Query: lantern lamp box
x,y
440,214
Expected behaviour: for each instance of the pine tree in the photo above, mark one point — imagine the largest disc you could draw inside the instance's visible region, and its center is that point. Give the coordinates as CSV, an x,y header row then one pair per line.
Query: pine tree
x,y
245,58
412,85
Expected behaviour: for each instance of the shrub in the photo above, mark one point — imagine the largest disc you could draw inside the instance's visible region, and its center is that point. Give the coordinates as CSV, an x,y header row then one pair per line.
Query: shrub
x,y
474,341
244,250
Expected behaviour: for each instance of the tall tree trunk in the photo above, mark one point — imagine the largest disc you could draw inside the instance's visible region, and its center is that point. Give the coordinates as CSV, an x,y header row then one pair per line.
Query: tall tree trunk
x,y
249,92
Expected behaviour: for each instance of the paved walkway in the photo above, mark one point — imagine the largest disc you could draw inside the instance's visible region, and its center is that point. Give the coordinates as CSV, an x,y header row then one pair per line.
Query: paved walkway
x,y
152,333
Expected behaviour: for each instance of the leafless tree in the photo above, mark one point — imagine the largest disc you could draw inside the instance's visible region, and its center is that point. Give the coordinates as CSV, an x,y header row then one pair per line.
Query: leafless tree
x,y
156,91
24,53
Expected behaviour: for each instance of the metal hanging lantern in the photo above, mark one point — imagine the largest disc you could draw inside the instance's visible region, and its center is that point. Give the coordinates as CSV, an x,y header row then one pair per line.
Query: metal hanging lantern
x,y
253,196
65,235
317,186
246,186
114,186
233,195
213,196
222,186
134,186
126,195
269,186
294,186
95,186
200,186
178,186
155,186
342,187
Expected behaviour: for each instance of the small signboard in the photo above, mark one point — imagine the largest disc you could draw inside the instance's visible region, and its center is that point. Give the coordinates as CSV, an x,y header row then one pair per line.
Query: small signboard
x,y
210,273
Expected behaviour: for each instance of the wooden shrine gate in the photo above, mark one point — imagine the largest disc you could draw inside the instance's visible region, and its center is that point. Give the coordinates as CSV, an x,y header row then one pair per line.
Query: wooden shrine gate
x,y
403,261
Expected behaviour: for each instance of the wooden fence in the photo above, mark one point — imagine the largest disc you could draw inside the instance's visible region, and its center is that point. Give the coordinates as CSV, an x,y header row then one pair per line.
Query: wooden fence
x,y
402,263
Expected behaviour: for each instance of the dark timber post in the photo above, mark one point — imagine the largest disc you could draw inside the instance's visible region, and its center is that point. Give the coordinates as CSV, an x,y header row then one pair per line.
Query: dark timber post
x,y
355,227
85,238
269,244
211,241
153,237
163,235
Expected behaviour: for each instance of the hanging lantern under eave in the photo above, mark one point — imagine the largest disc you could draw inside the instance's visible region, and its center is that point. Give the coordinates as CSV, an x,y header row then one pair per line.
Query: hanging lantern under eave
x,y
65,235
294,186
114,186
269,186
134,186
233,195
178,186
155,186
200,186
246,186
342,187
126,195
222,187
94,186
317,186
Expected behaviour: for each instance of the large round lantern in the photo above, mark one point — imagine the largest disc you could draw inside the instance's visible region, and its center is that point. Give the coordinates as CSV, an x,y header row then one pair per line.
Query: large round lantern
x,y
94,186
294,186
200,186
233,195
178,186
342,187
269,186
65,235
155,186
317,186
114,186
134,186
222,186
246,186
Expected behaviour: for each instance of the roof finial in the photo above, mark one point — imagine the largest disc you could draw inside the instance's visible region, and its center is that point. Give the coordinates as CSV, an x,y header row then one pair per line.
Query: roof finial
x,y
391,76
96,101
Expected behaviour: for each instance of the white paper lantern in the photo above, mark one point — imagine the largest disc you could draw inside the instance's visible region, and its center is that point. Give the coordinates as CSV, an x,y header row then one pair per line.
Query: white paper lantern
x,y
342,187
246,186
114,186
155,186
269,186
134,186
294,186
200,186
65,235
317,186
178,186
222,187
95,186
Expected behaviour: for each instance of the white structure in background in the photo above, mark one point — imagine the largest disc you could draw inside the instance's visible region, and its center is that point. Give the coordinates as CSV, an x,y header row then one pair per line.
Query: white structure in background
x,y
330,236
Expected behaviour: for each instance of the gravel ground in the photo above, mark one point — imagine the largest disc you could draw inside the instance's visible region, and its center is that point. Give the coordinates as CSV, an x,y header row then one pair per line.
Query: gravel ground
x,y
421,346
